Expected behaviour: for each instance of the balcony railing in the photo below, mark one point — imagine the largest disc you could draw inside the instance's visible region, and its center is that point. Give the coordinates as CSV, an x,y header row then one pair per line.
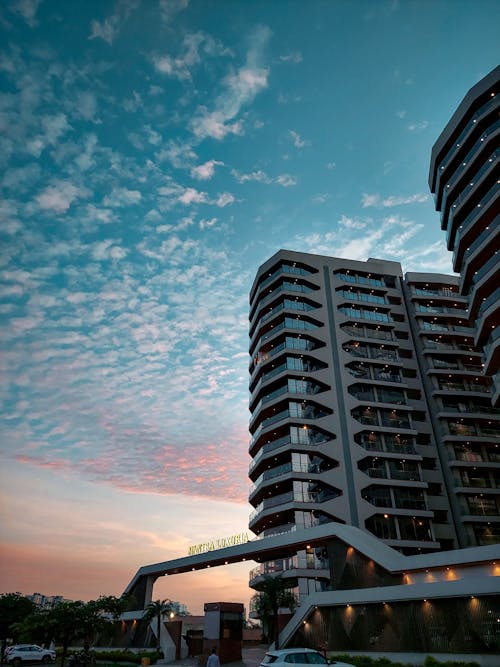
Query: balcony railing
x,y
489,104
283,270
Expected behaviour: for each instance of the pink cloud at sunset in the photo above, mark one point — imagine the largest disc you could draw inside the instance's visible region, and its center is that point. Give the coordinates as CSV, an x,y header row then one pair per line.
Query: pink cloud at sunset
x,y
91,541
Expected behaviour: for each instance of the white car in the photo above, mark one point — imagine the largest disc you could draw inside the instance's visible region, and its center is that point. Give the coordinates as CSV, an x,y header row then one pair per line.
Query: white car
x,y
24,654
301,657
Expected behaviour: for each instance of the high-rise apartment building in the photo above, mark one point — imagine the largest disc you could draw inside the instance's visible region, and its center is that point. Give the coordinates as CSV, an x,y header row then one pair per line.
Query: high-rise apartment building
x,y
464,177
369,408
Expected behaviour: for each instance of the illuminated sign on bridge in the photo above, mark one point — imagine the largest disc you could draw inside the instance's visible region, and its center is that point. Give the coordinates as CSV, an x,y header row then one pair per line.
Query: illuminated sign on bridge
x,y
218,543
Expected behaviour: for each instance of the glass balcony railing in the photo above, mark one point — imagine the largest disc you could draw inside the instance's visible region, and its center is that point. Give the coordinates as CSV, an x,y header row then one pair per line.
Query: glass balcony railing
x,y
361,313
361,296
285,286
360,280
418,291
284,269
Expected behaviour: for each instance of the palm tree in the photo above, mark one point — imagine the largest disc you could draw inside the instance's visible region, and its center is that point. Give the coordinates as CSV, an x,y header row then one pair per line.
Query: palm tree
x,y
273,594
156,610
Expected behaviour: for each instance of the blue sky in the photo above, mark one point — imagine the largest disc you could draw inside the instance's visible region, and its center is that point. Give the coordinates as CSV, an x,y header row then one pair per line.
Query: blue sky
x,y
152,154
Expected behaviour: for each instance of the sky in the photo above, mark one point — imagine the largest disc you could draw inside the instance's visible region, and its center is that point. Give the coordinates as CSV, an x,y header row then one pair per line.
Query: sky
x,y
153,153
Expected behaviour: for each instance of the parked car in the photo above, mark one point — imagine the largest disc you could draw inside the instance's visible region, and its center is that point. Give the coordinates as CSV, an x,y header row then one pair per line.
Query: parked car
x,y
301,657
25,654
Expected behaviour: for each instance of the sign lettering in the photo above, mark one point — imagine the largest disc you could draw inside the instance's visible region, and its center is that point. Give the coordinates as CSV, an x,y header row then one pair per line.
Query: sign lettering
x,y
218,543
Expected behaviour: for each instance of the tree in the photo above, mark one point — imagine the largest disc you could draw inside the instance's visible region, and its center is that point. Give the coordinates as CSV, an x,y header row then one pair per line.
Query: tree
x,y
273,594
14,608
156,610
73,621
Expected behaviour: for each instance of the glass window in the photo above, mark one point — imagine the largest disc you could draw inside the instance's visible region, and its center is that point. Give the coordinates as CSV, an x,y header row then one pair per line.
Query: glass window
x,y
316,659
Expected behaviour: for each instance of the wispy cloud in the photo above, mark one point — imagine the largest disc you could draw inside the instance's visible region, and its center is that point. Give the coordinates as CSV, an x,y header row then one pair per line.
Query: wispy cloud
x,y
108,29
259,176
297,140
286,180
292,57
169,8
179,67
418,126
27,9
378,201
239,89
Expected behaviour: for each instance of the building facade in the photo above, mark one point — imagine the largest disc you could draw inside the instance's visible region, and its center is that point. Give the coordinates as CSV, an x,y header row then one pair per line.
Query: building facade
x,y
363,386
464,177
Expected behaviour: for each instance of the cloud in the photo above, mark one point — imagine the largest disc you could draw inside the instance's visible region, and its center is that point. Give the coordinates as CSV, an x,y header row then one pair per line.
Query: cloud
x,y
292,57
320,198
206,224
108,29
286,180
352,223
179,67
225,199
87,104
393,200
258,175
239,89
121,197
180,154
59,196
192,196
418,126
27,9
401,113
169,8
205,171
297,140
331,166
108,249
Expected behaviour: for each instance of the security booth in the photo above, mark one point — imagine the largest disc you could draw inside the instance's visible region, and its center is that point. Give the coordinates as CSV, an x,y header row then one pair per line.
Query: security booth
x,y
224,630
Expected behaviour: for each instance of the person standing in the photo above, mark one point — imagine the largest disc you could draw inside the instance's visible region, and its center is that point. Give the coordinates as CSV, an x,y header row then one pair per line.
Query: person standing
x,y
213,659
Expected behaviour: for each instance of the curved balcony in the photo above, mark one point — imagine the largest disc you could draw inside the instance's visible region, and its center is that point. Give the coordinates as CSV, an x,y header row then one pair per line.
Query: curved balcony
x,y
292,364
488,195
297,305
293,323
291,343
291,568
294,410
482,161
307,496
288,385
478,125
284,269
295,436
468,259
284,286
314,466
